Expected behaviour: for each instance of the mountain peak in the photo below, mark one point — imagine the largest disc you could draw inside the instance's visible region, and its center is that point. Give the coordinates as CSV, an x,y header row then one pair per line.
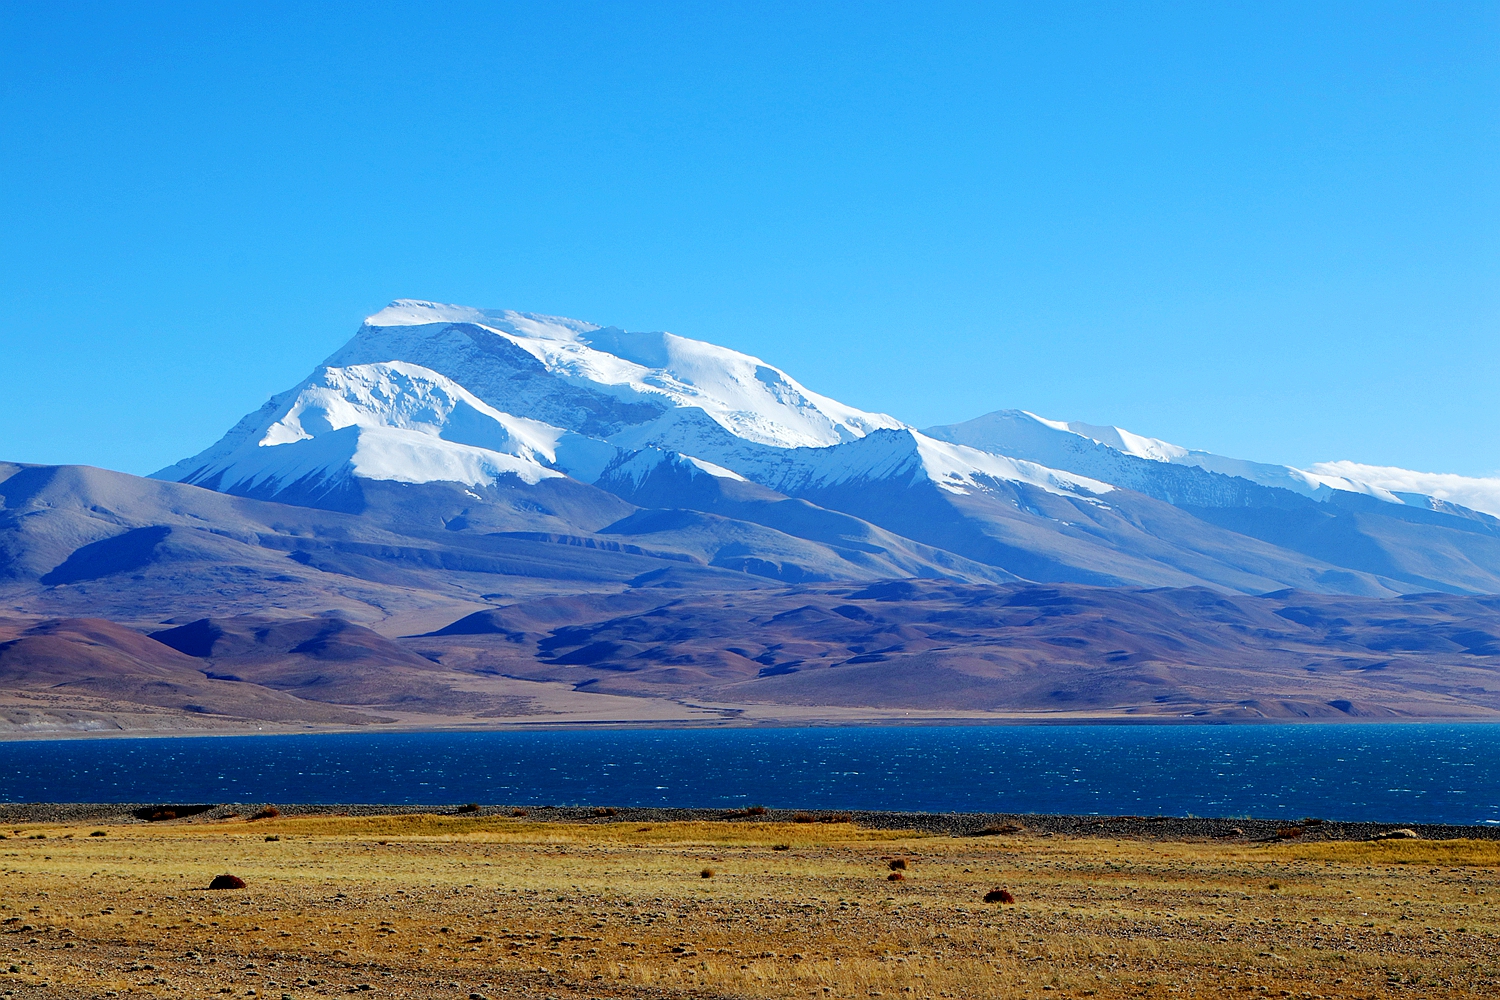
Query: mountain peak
x,y
602,380
537,326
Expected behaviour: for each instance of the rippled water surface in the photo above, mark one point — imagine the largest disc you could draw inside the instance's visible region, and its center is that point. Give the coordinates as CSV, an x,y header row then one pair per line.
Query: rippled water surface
x,y
1426,773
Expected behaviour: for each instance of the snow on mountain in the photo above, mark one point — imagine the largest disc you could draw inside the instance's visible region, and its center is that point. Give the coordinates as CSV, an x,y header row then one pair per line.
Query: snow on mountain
x,y
427,391
418,312
1474,493
1117,438
911,456
392,421
635,466
1071,445
889,453
670,394
599,380
1075,445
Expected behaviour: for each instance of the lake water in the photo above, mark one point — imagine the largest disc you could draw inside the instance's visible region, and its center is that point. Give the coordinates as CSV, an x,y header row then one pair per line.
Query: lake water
x,y
1417,773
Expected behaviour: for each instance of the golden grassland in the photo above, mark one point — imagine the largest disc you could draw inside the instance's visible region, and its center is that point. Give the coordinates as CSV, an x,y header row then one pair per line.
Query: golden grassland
x,y
449,906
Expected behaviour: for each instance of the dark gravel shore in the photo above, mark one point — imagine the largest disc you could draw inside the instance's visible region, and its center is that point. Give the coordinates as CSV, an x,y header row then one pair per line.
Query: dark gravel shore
x,y
951,824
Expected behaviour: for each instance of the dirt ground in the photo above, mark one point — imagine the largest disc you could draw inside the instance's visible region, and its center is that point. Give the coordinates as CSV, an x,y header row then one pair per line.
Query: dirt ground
x,y
455,907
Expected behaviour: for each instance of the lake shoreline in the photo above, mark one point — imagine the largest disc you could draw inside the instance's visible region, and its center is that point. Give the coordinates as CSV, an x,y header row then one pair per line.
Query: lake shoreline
x,y
619,725
952,824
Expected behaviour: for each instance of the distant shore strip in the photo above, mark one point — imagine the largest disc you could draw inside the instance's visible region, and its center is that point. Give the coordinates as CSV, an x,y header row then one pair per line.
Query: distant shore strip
x,y
954,824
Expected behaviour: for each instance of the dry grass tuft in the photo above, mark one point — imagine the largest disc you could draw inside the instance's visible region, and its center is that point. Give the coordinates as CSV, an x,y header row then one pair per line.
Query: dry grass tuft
x,y
432,827
1450,853
269,812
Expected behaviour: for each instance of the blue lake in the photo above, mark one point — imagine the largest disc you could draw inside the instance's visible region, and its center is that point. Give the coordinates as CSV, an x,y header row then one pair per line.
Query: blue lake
x,y
1418,773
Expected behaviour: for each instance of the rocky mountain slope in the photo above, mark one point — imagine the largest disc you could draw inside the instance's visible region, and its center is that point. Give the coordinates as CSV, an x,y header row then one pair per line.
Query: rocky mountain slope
x,y
888,651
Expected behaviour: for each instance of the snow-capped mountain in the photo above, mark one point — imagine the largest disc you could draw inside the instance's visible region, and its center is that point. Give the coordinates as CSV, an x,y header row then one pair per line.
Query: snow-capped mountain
x,y
423,392
1067,445
1419,488
427,393
600,380
392,421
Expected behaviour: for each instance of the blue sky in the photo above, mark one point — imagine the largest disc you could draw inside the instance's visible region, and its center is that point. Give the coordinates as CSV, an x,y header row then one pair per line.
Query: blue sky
x,y
1271,231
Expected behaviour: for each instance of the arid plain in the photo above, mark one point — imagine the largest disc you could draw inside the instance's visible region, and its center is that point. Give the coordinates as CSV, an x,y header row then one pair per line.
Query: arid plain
x,y
490,905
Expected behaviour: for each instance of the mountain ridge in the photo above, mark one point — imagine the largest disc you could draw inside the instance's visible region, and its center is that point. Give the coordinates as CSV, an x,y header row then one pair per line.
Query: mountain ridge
x,y
428,392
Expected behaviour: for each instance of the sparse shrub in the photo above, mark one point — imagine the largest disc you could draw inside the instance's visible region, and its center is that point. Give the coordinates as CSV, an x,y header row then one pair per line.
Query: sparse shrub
x,y
227,882
1289,833
895,877
782,847
99,833
837,818
472,807
1002,829
1312,821
518,812
746,812
706,873
898,865
169,811
606,811
269,812
999,896
804,818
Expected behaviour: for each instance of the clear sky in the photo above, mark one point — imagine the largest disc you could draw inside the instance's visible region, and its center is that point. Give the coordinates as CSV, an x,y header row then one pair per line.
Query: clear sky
x,y
1271,231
